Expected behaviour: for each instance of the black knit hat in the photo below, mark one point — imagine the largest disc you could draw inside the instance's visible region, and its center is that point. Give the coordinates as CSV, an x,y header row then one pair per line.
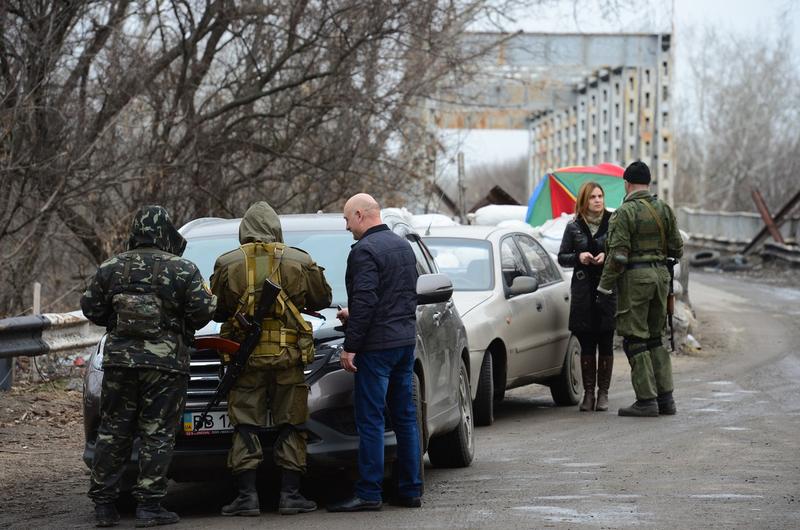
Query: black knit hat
x,y
637,173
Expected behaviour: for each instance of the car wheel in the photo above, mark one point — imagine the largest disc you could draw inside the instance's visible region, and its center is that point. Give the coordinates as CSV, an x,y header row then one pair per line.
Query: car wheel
x,y
566,389
483,406
457,448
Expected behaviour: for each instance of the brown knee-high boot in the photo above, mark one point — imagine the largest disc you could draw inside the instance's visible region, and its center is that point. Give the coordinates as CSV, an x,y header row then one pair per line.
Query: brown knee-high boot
x,y
605,365
589,373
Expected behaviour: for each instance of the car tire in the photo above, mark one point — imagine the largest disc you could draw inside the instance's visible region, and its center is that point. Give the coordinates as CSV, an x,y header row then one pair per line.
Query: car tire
x,y
566,389
704,258
483,405
392,484
457,448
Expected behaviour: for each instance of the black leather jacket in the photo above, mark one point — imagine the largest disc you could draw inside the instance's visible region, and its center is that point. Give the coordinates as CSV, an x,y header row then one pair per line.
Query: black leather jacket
x,y
585,315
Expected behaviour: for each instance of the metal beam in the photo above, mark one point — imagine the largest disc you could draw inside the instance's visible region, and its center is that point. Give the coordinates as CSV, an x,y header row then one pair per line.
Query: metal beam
x,y
779,219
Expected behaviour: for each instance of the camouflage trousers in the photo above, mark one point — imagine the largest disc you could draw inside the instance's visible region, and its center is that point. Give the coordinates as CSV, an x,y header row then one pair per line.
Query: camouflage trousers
x,y
282,392
641,319
143,403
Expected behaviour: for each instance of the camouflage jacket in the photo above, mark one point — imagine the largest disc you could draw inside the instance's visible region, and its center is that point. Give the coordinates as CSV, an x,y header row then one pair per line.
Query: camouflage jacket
x,y
124,288
634,236
302,279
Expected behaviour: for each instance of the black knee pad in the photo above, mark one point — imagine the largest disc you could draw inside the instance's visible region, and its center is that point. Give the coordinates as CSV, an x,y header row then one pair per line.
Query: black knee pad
x,y
654,342
633,346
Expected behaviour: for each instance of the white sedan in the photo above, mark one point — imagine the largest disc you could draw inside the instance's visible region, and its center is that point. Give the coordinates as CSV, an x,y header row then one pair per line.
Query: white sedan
x,y
514,301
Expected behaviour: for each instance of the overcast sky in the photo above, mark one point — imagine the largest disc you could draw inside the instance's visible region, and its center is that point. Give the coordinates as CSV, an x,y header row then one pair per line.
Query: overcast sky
x,y
741,17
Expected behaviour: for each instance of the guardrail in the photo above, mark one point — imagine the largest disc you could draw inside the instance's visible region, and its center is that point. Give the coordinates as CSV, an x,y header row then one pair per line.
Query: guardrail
x,y
33,335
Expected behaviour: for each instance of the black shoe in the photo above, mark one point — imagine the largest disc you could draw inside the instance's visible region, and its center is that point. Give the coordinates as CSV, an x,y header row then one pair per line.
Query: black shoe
x,y
642,408
355,504
407,502
106,515
666,404
154,515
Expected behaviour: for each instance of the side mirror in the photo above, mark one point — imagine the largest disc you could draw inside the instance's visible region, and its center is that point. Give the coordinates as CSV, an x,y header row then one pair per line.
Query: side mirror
x,y
523,285
433,289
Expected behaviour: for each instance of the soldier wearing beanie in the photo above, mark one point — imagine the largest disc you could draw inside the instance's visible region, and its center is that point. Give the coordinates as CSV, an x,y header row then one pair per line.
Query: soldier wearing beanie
x,y
642,234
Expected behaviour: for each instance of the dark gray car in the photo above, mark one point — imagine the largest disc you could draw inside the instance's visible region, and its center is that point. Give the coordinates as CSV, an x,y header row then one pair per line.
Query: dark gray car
x,y
442,392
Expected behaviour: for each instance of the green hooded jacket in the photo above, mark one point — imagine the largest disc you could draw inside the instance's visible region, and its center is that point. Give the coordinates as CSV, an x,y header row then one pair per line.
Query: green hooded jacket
x,y
302,279
150,320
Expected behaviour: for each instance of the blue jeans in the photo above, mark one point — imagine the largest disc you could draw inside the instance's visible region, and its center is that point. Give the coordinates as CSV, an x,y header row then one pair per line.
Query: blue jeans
x,y
385,377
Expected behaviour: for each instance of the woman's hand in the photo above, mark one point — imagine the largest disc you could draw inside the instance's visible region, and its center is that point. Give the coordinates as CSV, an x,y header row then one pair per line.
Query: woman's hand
x,y
585,258
600,258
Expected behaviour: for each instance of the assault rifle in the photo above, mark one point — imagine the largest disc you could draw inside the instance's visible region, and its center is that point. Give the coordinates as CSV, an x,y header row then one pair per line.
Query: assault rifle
x,y
671,262
252,327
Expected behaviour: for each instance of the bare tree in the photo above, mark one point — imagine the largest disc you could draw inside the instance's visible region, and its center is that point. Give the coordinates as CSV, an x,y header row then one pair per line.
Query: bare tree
x,y
739,129
203,106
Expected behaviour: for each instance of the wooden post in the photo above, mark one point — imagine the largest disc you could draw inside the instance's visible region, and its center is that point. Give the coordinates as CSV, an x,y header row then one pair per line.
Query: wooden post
x,y
37,298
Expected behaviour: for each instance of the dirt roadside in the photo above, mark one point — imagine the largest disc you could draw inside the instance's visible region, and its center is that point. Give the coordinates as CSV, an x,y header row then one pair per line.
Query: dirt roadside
x,y
41,443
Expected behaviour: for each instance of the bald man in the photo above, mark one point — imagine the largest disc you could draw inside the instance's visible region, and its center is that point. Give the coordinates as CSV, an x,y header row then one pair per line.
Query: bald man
x,y
380,336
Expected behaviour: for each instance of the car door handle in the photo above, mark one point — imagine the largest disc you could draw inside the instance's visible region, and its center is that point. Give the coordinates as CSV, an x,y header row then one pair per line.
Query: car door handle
x,y
437,316
539,306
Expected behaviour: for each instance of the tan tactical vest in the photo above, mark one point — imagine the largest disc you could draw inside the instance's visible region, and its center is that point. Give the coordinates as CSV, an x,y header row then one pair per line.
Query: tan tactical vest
x,y
284,331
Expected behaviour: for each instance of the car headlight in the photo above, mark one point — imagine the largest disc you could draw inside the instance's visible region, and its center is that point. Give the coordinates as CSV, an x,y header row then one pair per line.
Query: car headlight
x,y
97,357
335,356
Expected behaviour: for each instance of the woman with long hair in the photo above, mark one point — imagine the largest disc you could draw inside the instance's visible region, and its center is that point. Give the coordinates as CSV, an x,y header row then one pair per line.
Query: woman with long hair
x,y
592,322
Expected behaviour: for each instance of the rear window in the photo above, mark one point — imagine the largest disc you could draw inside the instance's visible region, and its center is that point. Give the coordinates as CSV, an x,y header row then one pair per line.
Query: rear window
x,y
467,262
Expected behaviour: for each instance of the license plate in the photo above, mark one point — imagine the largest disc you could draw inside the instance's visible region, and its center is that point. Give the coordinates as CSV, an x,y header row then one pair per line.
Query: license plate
x,y
215,422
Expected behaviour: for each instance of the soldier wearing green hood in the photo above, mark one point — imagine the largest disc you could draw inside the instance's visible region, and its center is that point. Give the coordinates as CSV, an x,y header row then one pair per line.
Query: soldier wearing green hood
x,y
642,234
151,301
273,379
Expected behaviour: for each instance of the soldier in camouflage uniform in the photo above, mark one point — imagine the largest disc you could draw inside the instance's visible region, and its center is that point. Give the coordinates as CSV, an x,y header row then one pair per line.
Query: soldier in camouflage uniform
x,y
151,301
642,234
273,379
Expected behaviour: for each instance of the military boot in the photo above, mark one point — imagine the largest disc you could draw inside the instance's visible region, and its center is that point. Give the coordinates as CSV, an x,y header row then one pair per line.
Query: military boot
x,y
641,408
106,514
292,501
589,374
246,503
666,404
605,365
153,514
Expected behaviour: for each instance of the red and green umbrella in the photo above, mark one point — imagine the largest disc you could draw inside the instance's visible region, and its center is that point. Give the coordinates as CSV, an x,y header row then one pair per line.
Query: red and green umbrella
x,y
556,192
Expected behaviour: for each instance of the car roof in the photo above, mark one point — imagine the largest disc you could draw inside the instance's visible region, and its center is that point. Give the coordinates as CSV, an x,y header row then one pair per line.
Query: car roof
x,y
468,231
318,222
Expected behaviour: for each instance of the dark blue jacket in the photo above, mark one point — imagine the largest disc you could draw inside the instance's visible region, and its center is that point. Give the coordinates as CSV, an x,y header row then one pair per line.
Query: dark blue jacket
x,y
381,282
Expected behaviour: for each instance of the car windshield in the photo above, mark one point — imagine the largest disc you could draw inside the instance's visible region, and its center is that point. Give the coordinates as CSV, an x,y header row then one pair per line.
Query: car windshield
x,y
328,248
467,262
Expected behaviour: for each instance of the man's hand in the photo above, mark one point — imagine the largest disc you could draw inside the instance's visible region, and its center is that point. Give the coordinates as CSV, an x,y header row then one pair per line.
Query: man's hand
x,y
347,359
343,314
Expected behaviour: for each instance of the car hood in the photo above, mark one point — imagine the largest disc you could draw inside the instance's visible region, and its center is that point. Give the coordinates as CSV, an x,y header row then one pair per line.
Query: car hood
x,y
466,301
323,327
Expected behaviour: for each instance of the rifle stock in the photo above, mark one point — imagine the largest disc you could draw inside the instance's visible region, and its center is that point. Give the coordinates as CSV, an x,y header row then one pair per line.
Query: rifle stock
x,y
269,294
671,262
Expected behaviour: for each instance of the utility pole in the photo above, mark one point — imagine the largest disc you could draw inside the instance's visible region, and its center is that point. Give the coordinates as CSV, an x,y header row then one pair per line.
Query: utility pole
x,y
461,188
